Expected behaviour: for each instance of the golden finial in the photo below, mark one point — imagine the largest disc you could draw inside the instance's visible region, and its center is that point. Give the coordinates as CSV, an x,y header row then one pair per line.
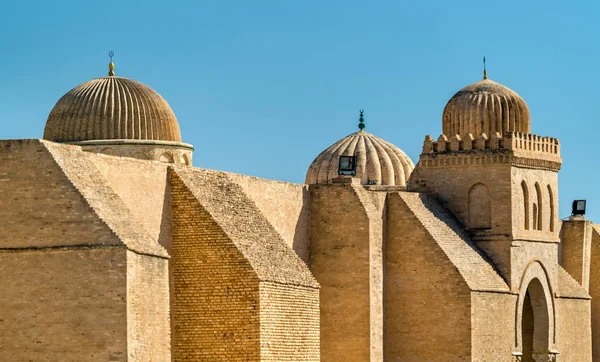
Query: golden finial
x,y
111,65
484,70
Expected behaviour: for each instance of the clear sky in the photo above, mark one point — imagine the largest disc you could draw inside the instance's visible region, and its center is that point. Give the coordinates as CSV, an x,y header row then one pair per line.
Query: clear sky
x,y
261,87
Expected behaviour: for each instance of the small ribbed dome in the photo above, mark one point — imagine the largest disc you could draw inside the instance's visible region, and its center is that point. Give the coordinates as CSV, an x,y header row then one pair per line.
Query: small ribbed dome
x,y
111,108
377,161
485,107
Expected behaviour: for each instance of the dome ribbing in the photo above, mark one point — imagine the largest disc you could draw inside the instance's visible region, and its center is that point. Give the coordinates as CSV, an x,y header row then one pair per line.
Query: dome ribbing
x,y
378,161
485,107
111,108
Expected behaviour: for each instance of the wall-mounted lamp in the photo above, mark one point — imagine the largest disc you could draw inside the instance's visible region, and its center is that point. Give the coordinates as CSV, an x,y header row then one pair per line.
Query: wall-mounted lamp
x,y
347,166
578,207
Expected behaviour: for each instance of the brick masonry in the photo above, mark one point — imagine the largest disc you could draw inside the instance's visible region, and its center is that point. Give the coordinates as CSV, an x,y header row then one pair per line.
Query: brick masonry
x,y
340,261
125,259
66,304
229,302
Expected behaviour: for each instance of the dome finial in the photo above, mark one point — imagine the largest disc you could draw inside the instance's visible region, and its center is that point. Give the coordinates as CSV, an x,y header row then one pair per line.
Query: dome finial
x,y
361,125
484,70
111,65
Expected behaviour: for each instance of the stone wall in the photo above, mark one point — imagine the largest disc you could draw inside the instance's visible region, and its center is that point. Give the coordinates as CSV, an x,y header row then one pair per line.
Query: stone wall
x,y
289,323
574,331
215,308
243,222
285,205
453,176
340,261
77,231
425,295
63,304
576,240
34,188
452,183
493,341
548,228
595,292
228,263
450,167
111,210
373,203
163,151
148,329
143,186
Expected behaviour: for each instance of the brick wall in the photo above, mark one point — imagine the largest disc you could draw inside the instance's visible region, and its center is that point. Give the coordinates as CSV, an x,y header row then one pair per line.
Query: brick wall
x,y
34,188
239,292
71,211
215,307
148,328
450,177
574,332
289,323
67,304
285,205
425,295
143,186
374,206
340,261
576,238
453,183
544,179
595,292
493,341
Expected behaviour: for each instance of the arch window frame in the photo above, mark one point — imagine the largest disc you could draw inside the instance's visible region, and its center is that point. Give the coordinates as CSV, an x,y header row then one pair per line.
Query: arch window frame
x,y
525,193
538,217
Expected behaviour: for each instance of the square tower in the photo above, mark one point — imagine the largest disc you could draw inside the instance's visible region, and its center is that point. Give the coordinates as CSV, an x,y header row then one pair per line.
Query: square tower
x,y
503,188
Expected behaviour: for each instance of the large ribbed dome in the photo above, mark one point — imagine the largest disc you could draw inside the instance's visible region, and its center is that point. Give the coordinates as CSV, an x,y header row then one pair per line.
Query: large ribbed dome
x,y
112,108
377,161
485,107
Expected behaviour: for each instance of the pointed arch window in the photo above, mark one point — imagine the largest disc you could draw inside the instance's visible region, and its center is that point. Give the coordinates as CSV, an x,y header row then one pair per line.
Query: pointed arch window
x,y
538,218
551,204
525,205
480,207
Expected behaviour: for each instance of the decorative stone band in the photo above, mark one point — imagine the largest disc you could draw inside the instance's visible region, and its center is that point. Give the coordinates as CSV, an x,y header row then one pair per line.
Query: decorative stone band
x,y
132,143
519,149
164,151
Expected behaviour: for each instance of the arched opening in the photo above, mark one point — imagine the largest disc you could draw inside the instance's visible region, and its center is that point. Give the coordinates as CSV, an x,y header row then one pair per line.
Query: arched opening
x,y
535,324
141,156
540,207
527,329
525,204
480,208
551,203
535,216
186,160
166,157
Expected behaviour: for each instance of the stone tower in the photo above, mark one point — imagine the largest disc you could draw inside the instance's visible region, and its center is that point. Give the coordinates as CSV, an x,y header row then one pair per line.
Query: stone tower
x,y
500,181
347,242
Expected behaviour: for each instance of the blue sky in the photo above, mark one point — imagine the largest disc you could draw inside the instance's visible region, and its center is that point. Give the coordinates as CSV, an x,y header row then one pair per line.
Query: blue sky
x,y
261,87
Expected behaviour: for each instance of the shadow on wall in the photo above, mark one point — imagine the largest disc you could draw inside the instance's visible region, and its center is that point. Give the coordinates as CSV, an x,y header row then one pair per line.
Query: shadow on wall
x,y
301,243
441,212
164,236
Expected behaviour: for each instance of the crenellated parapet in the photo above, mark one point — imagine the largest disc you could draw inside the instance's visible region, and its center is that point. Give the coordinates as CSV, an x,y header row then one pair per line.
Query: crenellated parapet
x,y
522,149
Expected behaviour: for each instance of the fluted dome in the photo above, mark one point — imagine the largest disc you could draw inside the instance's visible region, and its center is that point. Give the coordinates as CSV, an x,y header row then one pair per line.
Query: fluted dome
x,y
377,161
112,108
485,107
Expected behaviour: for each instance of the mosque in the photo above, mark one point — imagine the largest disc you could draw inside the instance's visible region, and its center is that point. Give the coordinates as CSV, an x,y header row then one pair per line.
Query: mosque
x,y
114,247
